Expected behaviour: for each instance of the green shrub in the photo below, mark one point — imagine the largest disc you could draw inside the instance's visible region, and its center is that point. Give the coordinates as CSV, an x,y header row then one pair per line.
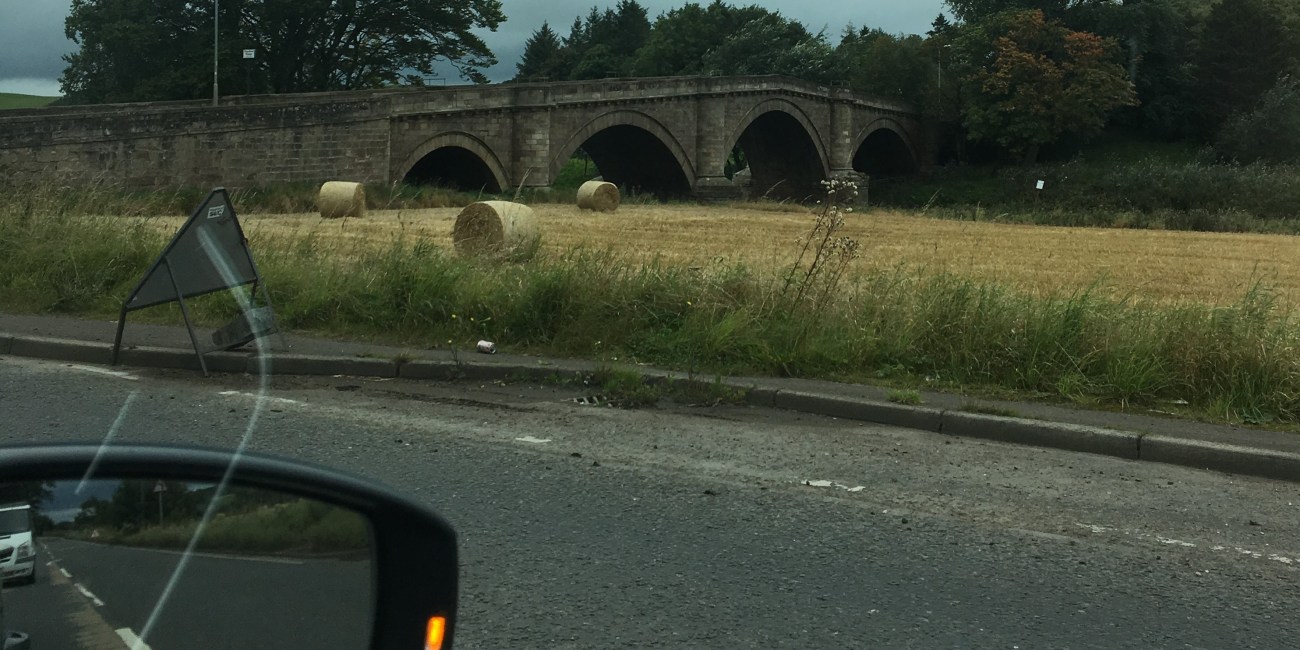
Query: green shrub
x,y
1187,193
1269,133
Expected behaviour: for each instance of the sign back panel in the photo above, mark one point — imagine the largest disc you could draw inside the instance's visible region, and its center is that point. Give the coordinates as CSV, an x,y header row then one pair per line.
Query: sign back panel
x,y
210,237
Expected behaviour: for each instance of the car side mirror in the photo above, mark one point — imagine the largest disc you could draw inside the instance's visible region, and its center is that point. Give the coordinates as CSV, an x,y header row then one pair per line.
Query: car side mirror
x,y
151,545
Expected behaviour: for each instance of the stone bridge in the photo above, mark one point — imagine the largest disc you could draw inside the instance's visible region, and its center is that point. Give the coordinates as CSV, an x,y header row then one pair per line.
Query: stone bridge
x,y
670,136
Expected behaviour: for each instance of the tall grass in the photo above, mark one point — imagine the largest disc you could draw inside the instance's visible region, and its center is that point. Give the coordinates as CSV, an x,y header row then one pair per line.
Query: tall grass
x,y
1238,362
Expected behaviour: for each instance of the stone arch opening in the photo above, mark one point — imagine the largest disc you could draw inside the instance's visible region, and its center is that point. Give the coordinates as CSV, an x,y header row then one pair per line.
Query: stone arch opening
x,y
777,155
884,153
637,161
455,160
632,151
454,167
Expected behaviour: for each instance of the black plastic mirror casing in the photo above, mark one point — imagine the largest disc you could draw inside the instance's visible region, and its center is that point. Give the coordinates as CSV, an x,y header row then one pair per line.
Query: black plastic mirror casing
x,y
415,562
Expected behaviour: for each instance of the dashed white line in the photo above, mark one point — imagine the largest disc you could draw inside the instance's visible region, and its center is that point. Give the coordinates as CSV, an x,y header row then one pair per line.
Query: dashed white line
x,y
533,441
105,371
1217,548
86,592
65,573
131,640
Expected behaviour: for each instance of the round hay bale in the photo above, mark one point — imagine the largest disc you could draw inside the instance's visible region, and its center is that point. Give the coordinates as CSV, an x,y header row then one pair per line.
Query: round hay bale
x,y
339,199
598,196
496,228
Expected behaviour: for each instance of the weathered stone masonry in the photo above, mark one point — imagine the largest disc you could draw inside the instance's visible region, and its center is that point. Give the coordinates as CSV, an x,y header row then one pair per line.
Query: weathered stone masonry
x,y
521,133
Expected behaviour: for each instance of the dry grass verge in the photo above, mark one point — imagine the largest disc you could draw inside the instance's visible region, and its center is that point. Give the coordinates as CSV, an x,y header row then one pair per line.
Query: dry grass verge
x,y
1167,266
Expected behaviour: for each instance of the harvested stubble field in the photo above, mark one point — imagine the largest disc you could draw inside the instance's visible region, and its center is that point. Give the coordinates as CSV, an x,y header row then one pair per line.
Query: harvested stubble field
x,y
1208,268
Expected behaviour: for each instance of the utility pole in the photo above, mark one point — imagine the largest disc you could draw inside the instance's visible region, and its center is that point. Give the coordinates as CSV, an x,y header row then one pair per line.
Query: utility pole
x,y
216,35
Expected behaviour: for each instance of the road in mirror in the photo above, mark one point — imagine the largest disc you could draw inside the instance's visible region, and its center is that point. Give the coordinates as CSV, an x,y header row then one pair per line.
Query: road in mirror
x,y
88,566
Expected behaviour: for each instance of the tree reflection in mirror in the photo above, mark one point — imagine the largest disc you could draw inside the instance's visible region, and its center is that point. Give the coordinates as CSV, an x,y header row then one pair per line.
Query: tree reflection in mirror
x,y
270,570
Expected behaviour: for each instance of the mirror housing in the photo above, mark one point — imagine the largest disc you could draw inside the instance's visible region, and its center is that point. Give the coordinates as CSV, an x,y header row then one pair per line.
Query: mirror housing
x,y
415,561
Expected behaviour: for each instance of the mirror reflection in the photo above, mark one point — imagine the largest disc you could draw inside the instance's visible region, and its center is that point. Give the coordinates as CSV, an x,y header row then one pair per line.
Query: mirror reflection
x,y
94,565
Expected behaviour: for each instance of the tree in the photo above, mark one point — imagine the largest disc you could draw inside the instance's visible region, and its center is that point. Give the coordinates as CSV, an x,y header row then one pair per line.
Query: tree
x,y
970,11
1244,49
875,62
1158,37
1269,133
606,43
773,44
681,38
32,493
542,56
135,50
138,50
941,27
1030,80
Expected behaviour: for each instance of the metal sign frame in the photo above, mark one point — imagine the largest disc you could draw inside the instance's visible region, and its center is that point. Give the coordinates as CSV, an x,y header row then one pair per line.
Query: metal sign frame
x,y
166,266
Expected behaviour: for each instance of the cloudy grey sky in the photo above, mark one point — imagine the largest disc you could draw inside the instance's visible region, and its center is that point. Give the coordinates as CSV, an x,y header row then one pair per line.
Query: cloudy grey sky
x,y
31,31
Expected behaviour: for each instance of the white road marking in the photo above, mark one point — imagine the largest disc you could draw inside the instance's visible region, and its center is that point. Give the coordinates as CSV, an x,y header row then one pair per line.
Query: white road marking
x,y
131,640
277,400
1096,529
105,371
86,592
1217,548
65,573
826,484
532,440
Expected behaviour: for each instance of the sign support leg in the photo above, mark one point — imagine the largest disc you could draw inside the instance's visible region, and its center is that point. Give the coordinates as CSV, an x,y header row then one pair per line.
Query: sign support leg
x,y
117,340
185,312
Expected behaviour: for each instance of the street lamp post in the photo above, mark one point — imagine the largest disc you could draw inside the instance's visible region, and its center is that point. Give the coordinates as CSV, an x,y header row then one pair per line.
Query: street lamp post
x,y
216,35
941,66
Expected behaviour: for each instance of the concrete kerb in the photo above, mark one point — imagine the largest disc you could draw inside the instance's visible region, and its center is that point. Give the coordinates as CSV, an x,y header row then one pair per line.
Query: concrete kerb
x,y
225,362
1121,444
911,417
61,350
1037,433
1202,454
305,364
423,369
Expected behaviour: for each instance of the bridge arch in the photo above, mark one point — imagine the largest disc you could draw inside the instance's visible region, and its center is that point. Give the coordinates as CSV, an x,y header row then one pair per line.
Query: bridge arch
x,y
458,159
884,148
661,166
783,148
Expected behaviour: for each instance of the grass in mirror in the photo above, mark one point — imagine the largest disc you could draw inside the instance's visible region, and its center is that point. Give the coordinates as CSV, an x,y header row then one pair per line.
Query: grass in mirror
x,y
1035,310
247,521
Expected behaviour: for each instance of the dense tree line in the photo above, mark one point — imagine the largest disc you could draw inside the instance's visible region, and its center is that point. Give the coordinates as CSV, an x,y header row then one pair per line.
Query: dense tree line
x,y
148,50
1008,76
1013,75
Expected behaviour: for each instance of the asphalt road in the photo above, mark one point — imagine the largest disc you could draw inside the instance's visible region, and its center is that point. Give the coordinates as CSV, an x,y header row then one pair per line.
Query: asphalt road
x,y
587,527
85,593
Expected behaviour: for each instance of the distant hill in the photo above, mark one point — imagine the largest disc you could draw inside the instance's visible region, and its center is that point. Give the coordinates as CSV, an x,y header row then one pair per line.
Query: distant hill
x,y
12,100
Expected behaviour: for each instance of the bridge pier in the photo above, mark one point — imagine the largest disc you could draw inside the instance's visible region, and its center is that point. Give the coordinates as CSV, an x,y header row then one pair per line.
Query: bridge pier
x,y
716,188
